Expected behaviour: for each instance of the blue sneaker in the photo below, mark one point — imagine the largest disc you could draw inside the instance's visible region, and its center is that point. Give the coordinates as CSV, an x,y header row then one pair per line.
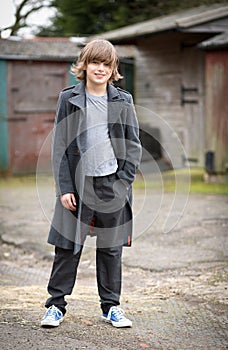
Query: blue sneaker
x,y
116,318
52,318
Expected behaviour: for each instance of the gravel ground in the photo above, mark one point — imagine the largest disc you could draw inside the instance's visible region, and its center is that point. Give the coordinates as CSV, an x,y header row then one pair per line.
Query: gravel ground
x,y
174,282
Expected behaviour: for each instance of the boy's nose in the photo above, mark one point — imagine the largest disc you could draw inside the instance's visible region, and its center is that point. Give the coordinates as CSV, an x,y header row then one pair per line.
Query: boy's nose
x,y
101,66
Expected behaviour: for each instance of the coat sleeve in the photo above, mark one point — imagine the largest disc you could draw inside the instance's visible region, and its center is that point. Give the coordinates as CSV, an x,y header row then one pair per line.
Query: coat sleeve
x,y
133,149
60,164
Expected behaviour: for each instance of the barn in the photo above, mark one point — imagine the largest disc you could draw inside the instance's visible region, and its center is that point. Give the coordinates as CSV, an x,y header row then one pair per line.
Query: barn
x,y
180,85
175,66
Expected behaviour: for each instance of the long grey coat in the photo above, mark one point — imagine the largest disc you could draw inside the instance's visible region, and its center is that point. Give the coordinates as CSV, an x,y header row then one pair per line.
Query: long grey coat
x,y
67,158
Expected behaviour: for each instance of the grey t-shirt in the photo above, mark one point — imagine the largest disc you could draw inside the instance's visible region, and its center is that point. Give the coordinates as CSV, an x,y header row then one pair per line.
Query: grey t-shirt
x,y
99,159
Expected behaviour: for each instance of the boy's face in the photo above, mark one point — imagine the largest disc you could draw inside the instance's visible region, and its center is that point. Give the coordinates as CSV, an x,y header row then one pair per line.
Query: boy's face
x,y
98,73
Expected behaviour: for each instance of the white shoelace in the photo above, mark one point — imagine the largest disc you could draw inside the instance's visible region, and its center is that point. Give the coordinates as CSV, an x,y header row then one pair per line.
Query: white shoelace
x,y
117,312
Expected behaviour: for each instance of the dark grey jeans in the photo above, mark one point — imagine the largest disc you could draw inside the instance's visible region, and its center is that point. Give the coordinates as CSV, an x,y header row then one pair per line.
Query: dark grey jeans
x,y
108,252
64,271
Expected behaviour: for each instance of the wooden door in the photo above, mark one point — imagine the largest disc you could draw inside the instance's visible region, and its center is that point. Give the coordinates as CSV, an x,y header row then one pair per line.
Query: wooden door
x,y
33,91
192,101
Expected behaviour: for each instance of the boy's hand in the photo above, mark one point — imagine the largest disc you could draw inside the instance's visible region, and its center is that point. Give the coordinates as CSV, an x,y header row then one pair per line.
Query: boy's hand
x,y
68,201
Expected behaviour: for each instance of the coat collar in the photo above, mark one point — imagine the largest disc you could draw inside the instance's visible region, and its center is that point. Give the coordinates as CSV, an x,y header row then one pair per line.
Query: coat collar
x,y
78,98
79,95
113,94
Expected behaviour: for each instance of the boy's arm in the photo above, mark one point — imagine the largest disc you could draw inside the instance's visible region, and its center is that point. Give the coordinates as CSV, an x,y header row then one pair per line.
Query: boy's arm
x,y
61,171
132,144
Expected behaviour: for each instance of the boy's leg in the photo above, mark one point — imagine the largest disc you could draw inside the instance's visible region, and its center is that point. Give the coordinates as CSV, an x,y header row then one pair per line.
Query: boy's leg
x,y
109,245
63,277
109,285
109,276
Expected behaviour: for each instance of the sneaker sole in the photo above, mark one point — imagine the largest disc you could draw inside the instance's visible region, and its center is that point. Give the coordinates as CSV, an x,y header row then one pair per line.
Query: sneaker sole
x,y
51,324
117,324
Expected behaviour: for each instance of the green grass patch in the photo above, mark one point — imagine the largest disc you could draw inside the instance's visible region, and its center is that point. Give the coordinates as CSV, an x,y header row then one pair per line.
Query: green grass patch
x,y
17,181
182,181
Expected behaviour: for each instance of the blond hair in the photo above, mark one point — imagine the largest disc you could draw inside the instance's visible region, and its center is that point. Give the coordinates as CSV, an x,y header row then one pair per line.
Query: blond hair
x,y
97,50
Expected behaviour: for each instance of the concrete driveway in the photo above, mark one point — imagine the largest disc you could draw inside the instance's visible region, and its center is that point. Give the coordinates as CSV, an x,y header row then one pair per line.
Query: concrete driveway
x,y
174,276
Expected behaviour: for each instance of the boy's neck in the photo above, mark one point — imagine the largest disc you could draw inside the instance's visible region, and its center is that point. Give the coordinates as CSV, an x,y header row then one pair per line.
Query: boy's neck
x,y
97,90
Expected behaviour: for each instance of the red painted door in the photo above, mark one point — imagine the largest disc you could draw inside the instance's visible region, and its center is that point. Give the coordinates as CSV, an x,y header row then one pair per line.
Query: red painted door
x,y
33,89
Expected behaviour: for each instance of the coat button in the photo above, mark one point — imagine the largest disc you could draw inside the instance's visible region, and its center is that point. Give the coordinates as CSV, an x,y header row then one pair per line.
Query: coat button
x,y
78,151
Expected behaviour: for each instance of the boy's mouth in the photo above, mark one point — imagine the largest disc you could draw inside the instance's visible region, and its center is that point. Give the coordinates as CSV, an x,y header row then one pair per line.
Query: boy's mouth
x,y
99,74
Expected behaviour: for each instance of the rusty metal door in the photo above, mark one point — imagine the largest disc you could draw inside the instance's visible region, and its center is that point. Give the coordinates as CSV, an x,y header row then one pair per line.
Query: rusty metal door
x,y
33,91
192,101
217,107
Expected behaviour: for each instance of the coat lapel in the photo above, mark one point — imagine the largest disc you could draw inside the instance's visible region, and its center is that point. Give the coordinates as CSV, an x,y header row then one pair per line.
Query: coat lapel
x,y
115,105
79,98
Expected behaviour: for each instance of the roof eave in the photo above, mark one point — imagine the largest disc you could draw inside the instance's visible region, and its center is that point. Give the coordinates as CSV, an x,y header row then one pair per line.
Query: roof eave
x,y
36,58
215,43
167,23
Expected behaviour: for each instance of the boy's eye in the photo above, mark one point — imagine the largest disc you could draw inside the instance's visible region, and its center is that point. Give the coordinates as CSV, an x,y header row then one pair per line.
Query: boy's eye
x,y
98,62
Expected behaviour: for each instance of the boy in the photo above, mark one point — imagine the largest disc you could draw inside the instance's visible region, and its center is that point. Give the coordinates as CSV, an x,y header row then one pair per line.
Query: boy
x,y
96,151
